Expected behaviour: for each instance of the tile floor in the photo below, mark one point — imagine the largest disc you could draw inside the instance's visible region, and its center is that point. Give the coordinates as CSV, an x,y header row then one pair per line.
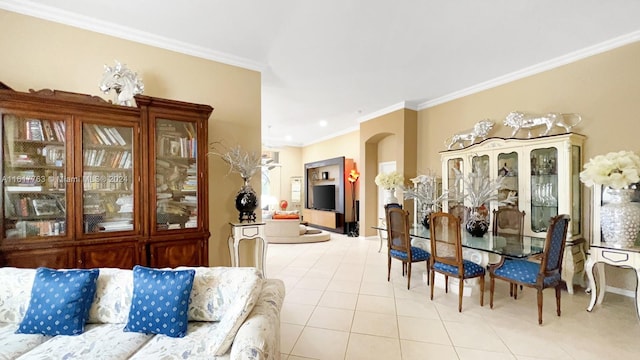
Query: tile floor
x,y
339,305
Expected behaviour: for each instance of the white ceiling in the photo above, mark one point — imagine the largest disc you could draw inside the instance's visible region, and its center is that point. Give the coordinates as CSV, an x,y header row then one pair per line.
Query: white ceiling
x,y
344,61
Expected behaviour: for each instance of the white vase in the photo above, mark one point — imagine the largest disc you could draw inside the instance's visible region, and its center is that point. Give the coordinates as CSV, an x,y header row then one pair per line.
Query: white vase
x,y
390,196
620,218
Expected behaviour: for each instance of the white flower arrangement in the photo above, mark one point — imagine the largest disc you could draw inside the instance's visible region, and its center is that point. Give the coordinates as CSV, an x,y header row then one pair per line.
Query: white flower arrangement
x,y
616,170
390,180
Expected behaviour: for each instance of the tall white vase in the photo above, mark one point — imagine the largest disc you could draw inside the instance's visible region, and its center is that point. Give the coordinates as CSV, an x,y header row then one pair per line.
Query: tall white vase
x,y
390,196
620,219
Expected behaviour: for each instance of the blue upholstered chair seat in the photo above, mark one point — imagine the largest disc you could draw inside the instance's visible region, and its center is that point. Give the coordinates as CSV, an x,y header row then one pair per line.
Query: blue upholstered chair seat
x,y
417,254
471,269
523,271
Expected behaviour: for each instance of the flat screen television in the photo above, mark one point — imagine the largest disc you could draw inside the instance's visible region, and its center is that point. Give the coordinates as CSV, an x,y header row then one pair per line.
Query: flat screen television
x,y
324,197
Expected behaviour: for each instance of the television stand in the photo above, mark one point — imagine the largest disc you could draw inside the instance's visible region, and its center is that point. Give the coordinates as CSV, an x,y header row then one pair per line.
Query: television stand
x,y
327,220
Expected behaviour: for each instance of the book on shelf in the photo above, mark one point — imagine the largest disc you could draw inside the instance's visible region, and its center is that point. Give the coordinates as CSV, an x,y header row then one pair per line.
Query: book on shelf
x,y
37,228
104,140
46,207
23,188
34,129
116,225
48,131
117,137
58,128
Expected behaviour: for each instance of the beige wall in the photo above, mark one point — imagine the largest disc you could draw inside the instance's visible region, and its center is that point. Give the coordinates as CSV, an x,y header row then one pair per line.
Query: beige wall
x,y
346,145
38,54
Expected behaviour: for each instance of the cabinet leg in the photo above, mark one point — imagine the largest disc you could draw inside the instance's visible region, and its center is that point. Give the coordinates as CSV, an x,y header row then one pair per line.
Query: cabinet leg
x,y
593,289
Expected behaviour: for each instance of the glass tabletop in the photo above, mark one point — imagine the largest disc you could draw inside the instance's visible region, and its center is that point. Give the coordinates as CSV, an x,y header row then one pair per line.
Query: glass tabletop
x,y
513,246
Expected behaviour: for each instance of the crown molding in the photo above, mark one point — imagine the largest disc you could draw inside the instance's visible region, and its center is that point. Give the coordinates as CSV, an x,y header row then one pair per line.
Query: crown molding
x,y
536,69
389,109
333,135
127,33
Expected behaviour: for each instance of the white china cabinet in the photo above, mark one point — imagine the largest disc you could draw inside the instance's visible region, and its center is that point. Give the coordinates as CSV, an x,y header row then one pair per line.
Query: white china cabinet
x,y
541,175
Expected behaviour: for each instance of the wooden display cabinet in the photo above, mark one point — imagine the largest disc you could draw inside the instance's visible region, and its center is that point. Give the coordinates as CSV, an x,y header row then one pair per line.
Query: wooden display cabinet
x,y
76,185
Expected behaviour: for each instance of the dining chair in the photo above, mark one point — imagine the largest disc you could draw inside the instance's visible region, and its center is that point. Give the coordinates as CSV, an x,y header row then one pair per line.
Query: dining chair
x,y
542,275
382,222
509,221
446,255
461,211
399,243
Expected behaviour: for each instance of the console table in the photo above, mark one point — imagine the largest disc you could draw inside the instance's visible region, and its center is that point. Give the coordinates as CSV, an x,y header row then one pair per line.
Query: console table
x,y
602,254
248,231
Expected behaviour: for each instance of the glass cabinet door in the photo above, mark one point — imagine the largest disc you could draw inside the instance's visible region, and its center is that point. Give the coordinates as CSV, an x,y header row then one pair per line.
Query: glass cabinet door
x,y
176,174
34,174
455,182
575,226
544,187
107,178
508,168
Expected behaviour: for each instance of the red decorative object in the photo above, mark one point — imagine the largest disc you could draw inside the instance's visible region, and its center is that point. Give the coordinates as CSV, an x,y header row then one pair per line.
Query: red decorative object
x,y
283,204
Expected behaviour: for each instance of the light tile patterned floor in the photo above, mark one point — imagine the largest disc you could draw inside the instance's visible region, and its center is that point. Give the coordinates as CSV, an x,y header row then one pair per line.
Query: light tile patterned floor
x,y
339,305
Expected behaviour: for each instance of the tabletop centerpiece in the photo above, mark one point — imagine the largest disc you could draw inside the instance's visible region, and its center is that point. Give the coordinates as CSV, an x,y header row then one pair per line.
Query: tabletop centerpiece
x,y
425,191
246,165
390,182
619,174
479,191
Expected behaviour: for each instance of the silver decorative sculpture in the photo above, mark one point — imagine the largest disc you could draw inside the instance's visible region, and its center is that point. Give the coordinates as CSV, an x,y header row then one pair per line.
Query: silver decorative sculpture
x,y
519,120
123,81
480,130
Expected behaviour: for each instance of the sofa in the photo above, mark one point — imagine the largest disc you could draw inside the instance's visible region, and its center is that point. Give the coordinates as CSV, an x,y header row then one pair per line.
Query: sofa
x,y
233,313
291,231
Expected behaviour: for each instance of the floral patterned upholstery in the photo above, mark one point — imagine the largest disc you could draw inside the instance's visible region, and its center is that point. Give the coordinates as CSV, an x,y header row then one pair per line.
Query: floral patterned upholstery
x,y
15,293
233,313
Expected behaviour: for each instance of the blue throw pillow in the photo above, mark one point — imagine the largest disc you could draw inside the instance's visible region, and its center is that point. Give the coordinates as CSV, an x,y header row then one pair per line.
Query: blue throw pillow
x,y
60,302
160,301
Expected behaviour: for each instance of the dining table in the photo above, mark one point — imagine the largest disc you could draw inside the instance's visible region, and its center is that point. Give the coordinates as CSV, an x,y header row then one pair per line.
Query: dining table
x,y
483,250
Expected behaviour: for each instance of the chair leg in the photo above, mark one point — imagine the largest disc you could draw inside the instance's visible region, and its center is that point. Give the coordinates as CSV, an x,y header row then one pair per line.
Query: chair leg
x,y
510,289
460,291
492,284
446,284
428,275
539,306
432,276
389,269
515,291
482,290
408,275
558,299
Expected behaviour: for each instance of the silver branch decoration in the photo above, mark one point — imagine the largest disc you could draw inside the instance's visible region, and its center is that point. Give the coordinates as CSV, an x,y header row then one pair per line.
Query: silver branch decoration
x,y
244,163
